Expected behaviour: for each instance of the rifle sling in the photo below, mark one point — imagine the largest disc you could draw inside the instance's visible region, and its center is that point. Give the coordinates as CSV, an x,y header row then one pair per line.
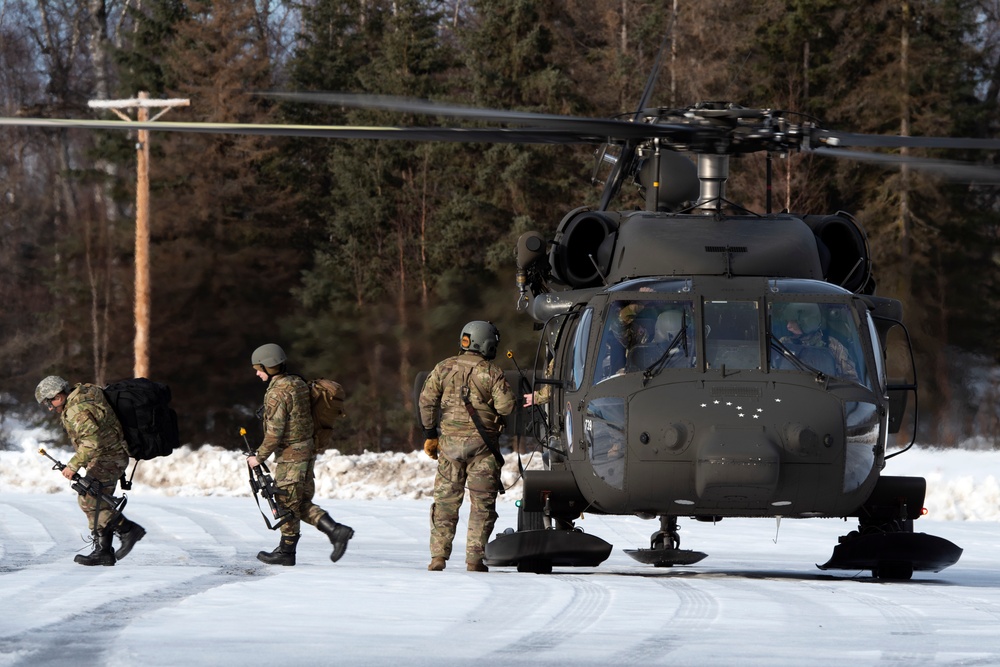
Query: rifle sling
x,y
493,446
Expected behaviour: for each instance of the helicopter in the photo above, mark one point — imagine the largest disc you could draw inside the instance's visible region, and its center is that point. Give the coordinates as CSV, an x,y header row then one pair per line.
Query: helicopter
x,y
701,360
707,361
710,362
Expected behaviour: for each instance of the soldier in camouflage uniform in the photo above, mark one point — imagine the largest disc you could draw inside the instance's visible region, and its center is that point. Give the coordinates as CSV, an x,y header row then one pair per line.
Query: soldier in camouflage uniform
x,y
803,323
464,458
288,433
99,444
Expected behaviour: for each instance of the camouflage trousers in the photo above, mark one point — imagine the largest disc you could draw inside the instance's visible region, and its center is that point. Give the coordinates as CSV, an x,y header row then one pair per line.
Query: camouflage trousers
x,y
482,475
107,473
298,482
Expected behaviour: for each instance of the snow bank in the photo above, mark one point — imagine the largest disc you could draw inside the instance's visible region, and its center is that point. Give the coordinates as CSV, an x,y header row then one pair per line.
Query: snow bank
x,y
213,471
961,483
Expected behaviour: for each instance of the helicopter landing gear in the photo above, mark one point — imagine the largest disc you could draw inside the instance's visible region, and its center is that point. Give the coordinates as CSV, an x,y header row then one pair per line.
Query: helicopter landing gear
x,y
665,548
667,536
891,552
542,541
885,542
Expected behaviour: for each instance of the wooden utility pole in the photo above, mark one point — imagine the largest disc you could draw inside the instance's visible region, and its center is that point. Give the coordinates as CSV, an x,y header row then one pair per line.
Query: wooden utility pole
x,y
142,104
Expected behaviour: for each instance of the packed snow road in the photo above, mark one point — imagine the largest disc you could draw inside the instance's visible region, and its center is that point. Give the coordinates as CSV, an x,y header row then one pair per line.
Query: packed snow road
x,y
192,593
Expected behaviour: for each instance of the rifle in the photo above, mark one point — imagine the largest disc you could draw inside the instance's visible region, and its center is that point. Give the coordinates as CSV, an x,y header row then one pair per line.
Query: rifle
x,y
264,486
90,486
492,444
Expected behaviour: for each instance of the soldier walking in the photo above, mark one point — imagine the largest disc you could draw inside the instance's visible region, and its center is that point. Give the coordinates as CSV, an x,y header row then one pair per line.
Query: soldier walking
x,y
99,443
288,433
471,395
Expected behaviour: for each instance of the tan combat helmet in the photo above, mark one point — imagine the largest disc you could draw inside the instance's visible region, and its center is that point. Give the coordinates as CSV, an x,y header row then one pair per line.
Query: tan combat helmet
x,y
269,358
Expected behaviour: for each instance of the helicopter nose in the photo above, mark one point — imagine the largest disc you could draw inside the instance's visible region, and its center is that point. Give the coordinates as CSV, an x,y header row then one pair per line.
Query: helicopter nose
x,y
737,465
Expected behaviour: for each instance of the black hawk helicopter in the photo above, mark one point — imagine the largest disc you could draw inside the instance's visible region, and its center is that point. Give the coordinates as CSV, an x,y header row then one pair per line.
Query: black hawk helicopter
x,y
703,360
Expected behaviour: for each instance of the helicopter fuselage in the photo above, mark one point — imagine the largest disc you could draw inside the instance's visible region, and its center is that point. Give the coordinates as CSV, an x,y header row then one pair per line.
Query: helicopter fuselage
x,y
727,426
758,389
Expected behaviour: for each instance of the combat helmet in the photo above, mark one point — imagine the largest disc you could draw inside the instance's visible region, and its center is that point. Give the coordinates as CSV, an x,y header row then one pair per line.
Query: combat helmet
x,y
482,337
269,358
50,387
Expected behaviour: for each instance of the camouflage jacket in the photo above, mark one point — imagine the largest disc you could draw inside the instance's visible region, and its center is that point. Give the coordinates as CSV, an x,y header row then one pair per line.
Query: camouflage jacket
x,y
489,393
288,422
842,358
92,427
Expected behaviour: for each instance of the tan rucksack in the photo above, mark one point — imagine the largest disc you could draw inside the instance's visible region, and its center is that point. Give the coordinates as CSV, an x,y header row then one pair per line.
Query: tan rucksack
x,y
327,399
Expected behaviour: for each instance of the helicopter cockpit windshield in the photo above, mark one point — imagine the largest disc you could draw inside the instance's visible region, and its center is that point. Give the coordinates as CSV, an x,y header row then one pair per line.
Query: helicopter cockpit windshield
x,y
641,334
821,335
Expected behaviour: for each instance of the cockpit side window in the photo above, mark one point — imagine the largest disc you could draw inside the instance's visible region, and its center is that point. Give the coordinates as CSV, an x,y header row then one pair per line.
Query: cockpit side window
x,y
578,350
823,336
641,333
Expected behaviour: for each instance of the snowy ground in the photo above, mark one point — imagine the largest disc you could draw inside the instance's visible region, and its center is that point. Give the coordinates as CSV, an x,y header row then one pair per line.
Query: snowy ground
x,y
192,592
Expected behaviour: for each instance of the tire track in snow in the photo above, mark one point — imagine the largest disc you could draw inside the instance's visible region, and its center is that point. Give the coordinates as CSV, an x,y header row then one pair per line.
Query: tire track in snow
x,y
82,638
587,602
696,610
85,635
900,621
68,538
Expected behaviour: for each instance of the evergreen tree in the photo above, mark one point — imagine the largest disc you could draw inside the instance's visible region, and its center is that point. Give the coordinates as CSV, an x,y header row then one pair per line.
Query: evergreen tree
x,y
369,270
226,248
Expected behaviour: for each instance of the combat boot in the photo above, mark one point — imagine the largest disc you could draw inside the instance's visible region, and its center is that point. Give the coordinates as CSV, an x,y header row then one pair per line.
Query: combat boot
x,y
338,533
476,565
129,532
284,554
437,564
102,553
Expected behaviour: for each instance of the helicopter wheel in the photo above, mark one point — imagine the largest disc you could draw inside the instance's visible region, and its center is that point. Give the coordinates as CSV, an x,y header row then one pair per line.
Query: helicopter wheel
x,y
893,571
535,566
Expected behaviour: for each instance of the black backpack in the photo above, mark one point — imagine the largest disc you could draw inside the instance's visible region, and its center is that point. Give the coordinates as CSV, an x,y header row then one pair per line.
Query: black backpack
x,y
149,423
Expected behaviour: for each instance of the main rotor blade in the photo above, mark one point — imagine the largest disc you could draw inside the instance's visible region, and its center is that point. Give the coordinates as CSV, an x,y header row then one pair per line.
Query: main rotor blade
x,y
955,171
604,126
525,135
833,138
654,73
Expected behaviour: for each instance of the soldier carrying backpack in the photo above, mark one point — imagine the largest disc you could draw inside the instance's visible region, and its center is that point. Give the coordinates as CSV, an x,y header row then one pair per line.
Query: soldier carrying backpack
x,y
289,434
100,447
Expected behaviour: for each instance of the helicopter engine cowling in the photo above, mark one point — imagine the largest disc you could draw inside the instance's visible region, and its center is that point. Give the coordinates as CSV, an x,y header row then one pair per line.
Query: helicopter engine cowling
x,y
843,247
581,250
648,244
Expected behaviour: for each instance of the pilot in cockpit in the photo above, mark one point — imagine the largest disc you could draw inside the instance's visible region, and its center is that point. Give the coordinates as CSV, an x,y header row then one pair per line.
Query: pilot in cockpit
x,y
800,329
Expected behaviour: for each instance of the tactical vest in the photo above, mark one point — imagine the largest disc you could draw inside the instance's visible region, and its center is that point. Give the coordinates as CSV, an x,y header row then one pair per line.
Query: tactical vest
x,y
463,373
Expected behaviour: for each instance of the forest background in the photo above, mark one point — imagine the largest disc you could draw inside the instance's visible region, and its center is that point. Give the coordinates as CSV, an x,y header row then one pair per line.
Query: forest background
x,y
364,258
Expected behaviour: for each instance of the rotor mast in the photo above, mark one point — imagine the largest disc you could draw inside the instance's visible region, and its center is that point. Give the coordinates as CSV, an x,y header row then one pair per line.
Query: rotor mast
x,y
713,172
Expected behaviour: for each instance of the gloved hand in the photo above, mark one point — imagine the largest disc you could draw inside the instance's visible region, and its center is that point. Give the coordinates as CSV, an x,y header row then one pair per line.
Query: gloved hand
x,y
431,448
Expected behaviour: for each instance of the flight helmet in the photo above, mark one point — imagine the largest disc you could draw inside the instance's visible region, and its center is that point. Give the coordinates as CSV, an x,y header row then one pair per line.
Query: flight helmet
x,y
482,337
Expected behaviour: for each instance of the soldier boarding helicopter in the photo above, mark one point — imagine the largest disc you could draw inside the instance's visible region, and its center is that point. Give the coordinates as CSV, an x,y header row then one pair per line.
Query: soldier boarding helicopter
x,y
705,361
